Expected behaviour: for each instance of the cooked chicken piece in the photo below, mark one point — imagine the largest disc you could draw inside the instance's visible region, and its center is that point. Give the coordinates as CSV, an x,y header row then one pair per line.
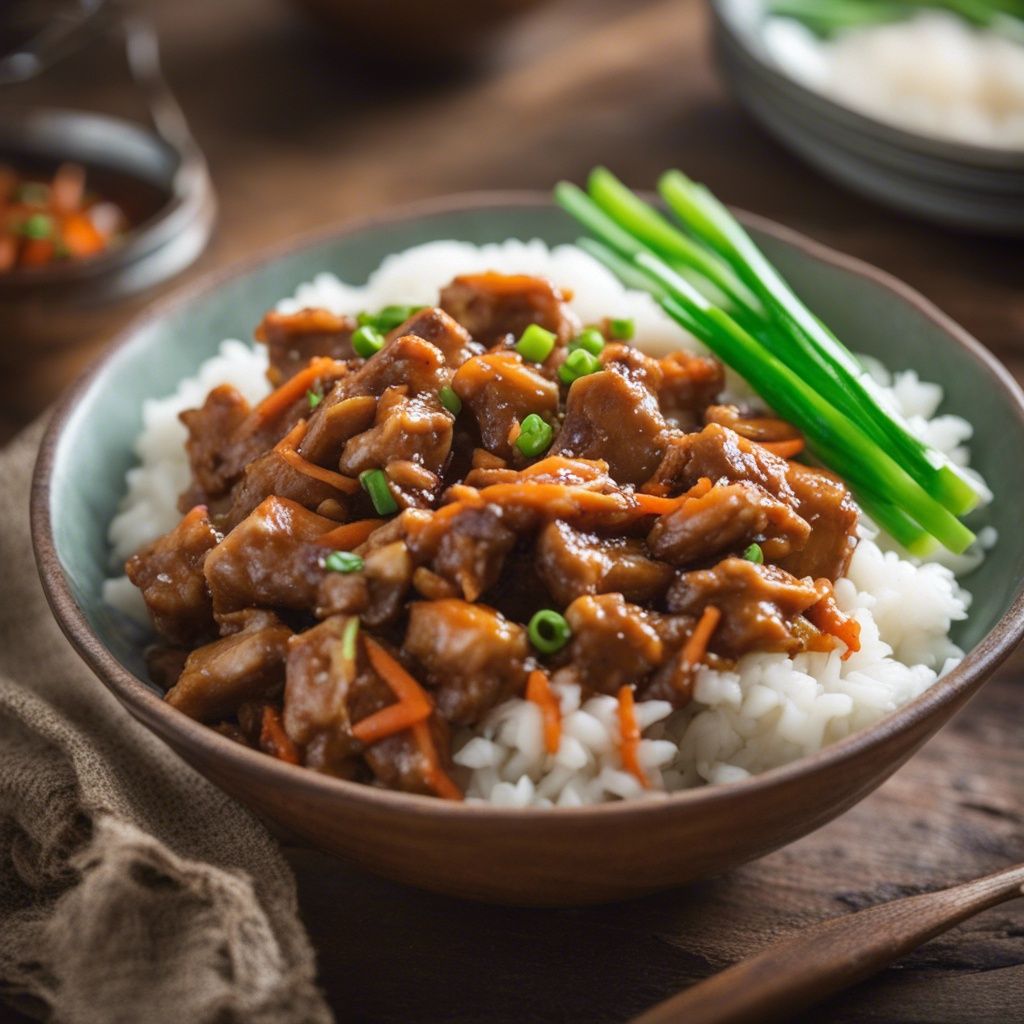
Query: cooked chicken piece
x,y
823,500
760,605
437,327
269,560
613,642
292,339
413,428
472,550
727,519
210,429
169,572
493,307
247,665
721,455
501,391
471,655
611,415
572,563
689,384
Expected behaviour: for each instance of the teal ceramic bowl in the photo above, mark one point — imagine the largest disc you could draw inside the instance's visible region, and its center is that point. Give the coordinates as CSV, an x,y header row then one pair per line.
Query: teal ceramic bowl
x,y
559,856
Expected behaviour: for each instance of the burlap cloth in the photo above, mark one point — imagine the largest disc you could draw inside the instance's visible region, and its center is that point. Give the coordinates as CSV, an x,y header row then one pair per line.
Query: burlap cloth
x,y
131,890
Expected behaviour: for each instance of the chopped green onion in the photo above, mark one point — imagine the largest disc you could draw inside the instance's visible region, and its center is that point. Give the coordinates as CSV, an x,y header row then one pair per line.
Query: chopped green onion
x,y
548,631
535,436
343,561
536,343
348,638
38,226
375,483
754,554
450,400
580,363
622,330
388,318
32,193
590,339
314,398
367,341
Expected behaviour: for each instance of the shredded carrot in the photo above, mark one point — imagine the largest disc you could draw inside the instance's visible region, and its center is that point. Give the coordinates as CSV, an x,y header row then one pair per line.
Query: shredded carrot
x,y
81,236
538,690
295,388
345,484
413,704
630,733
557,465
784,449
700,488
274,740
697,646
652,505
349,535
437,778
294,436
549,497
829,619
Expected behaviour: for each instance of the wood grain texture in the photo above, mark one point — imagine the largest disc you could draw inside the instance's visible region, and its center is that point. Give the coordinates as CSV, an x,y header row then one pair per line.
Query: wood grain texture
x,y
298,134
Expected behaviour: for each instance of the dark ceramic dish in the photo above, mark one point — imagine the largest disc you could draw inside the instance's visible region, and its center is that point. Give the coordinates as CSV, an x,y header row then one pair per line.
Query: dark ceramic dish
x,y
561,856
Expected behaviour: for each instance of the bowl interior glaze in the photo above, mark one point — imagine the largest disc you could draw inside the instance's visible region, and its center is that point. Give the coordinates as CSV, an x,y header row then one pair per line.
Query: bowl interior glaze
x,y
80,480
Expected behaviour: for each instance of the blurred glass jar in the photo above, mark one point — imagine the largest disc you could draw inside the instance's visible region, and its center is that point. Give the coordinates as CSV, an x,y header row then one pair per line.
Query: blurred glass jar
x,y
153,172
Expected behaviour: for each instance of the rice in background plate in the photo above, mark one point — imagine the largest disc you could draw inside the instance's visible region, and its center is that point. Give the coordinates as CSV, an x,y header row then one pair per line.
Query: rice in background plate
x,y
769,710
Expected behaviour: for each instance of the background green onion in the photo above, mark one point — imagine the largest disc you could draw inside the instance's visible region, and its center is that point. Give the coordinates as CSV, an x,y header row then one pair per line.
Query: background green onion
x,y
535,436
754,554
450,400
580,363
367,341
314,398
388,318
536,343
590,339
343,561
548,631
622,329
375,483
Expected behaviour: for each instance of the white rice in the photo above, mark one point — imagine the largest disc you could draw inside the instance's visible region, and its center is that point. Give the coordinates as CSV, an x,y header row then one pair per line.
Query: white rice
x,y
932,73
770,710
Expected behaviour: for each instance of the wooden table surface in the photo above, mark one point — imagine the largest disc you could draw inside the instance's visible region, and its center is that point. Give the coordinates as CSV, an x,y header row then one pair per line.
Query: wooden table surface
x,y
300,133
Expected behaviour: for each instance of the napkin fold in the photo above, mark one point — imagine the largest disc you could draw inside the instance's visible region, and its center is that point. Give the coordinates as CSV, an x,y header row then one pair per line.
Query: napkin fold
x,y
131,889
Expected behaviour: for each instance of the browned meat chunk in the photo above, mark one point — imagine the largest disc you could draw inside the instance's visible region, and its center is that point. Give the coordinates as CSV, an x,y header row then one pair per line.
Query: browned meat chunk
x,y
611,415
759,605
399,763
636,365
721,455
248,665
330,426
268,475
501,391
169,572
823,500
727,518
437,327
292,339
572,564
613,642
210,429
269,560
414,428
472,550
689,384
470,654
493,306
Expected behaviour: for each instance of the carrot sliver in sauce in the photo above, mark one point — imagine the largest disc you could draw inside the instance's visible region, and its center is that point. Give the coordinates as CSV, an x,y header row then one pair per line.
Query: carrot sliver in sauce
x,y
629,729
784,449
349,535
81,236
293,438
274,740
829,619
437,778
697,646
295,388
652,505
345,484
413,704
539,692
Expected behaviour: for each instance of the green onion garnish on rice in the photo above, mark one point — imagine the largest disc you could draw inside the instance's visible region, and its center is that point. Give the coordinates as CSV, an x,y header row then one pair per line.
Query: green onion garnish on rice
x,y
716,283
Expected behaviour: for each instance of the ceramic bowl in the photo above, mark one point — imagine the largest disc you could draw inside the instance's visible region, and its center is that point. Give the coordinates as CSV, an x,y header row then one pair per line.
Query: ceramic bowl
x,y
955,184
561,856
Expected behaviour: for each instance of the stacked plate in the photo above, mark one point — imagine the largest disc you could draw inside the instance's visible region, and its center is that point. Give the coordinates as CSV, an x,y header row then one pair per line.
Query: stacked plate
x,y
953,183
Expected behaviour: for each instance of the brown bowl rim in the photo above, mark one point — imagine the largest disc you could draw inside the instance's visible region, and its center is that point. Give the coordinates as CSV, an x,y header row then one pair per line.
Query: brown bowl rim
x,y
144,703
